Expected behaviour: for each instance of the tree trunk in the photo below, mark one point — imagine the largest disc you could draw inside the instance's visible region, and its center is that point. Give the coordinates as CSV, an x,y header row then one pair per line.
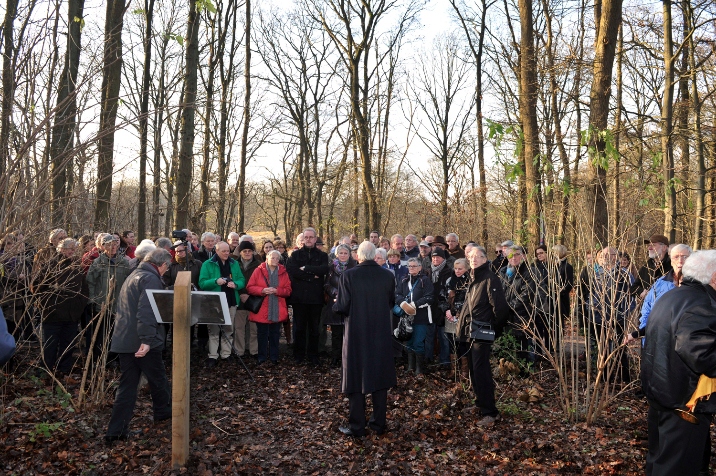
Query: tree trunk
x,y
186,151
158,126
247,117
111,76
204,184
8,94
667,149
616,199
528,117
698,138
144,122
608,16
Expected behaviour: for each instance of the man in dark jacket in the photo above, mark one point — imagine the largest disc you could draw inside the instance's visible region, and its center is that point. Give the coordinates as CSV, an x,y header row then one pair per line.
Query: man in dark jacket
x,y
366,295
485,305
439,273
248,261
307,267
658,264
680,348
519,288
207,248
139,341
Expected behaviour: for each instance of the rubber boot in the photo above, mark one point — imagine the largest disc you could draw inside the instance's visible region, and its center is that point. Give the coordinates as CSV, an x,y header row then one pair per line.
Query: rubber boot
x,y
411,361
419,364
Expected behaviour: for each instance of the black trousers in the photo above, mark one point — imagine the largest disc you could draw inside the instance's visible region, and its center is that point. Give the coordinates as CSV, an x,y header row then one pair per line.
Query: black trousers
x,y
482,383
126,397
336,341
306,318
57,340
356,415
675,445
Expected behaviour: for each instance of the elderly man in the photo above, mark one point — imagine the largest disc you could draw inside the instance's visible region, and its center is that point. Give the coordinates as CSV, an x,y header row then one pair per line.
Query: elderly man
x,y
245,331
139,341
485,307
453,244
519,287
366,295
656,266
680,348
222,273
49,251
678,255
233,240
307,267
425,252
397,242
411,247
206,250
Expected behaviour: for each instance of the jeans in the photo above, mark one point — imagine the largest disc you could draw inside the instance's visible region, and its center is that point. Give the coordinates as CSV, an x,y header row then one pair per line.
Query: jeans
x,y
222,337
126,397
445,346
416,343
429,342
57,340
268,336
306,318
482,383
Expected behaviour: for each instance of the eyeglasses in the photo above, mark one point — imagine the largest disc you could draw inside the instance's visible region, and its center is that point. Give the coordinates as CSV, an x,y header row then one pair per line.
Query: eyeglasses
x,y
180,251
414,266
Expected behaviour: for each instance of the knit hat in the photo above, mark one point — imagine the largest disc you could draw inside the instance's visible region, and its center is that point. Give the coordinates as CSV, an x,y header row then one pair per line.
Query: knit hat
x,y
246,245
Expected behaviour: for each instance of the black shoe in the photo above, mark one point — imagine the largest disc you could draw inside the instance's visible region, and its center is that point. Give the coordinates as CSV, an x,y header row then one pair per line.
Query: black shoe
x,y
315,361
211,363
376,430
346,430
335,363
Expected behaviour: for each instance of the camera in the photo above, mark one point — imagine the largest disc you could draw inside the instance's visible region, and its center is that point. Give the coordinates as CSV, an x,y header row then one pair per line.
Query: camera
x,y
227,279
179,235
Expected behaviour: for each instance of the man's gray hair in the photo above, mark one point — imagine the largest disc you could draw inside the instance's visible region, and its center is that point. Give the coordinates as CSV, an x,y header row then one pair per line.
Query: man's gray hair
x,y
66,243
382,252
310,228
416,261
272,252
366,251
233,233
207,234
411,236
343,246
700,266
163,243
143,249
392,238
680,247
454,235
158,257
246,238
55,233
101,238
479,248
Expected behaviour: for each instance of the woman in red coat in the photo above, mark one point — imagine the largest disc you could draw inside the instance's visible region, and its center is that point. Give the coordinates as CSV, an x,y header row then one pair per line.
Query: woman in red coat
x,y
271,280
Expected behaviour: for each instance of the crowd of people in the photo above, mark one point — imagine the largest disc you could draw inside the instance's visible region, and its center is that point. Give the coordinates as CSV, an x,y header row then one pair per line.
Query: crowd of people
x,y
447,303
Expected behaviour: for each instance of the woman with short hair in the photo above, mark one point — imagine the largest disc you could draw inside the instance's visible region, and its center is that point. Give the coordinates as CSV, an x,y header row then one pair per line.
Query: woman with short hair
x,y
416,289
394,265
343,262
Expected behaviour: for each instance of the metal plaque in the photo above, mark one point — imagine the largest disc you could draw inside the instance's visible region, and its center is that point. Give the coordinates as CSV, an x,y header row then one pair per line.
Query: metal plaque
x,y
206,307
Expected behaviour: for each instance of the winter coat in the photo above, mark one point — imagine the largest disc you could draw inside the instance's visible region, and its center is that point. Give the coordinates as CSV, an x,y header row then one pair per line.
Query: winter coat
x,y
609,298
399,271
307,283
135,323
457,253
257,283
440,304
7,341
544,299
680,346
485,303
406,254
331,289
210,272
192,265
565,283
99,275
248,272
61,290
649,273
520,295
15,273
498,263
366,295
203,255
88,258
422,296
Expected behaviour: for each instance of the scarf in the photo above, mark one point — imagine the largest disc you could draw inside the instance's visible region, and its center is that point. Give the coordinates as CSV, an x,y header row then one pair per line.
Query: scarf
x,y
273,309
510,272
437,269
339,267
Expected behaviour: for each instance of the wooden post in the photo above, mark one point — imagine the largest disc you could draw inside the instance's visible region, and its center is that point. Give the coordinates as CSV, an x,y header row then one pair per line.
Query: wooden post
x,y
180,369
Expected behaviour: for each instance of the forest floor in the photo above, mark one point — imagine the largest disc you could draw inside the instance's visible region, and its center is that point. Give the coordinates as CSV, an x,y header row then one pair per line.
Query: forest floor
x,y
286,421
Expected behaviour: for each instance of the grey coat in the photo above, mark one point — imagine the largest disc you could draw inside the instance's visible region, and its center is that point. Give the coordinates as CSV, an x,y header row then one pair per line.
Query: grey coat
x,y
366,295
136,324
99,275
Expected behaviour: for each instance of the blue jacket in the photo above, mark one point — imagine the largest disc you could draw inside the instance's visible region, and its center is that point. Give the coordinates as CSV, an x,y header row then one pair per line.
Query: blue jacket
x,y
7,341
660,286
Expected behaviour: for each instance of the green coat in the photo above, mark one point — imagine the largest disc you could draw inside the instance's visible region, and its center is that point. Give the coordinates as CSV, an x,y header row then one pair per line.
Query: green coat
x,y
210,272
99,275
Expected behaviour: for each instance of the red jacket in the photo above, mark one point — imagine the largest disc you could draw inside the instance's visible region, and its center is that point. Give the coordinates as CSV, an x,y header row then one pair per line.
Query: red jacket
x,y
257,283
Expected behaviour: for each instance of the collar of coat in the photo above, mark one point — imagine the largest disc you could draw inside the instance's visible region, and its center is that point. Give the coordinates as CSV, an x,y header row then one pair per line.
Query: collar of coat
x,y
215,259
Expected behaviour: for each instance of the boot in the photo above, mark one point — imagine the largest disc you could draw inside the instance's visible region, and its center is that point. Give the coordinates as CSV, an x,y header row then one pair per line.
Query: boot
x,y
411,361
419,364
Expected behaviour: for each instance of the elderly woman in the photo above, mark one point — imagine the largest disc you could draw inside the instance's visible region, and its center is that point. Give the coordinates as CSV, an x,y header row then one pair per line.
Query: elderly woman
x,y
381,257
341,263
61,295
394,265
271,280
416,289
140,251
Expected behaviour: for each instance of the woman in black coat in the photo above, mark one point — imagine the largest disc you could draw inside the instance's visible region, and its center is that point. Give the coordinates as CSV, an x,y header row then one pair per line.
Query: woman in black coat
x,y
416,288
341,263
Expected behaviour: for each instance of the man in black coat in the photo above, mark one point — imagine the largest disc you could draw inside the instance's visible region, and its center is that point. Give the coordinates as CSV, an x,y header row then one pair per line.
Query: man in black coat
x,y
307,267
680,347
366,295
658,264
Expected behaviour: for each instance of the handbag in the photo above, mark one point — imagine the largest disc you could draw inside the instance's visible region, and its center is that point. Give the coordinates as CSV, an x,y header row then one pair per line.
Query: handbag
x,y
482,332
404,331
253,303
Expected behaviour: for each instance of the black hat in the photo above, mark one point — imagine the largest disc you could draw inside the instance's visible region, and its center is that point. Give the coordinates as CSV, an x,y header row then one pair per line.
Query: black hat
x,y
246,245
438,252
439,240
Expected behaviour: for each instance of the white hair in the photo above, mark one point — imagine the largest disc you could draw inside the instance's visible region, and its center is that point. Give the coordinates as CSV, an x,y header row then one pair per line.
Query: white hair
x,y
366,251
144,248
207,234
66,243
680,247
246,238
233,233
454,235
415,261
272,252
700,266
382,252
